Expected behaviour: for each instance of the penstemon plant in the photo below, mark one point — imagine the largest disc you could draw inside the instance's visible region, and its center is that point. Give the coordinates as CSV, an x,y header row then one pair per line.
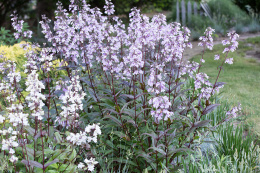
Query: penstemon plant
x,y
95,73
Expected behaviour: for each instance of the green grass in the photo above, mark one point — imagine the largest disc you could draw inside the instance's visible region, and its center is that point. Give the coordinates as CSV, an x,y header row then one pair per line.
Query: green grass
x,y
242,78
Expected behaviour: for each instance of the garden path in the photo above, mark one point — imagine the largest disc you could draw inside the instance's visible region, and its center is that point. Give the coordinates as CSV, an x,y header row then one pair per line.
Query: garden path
x,y
254,53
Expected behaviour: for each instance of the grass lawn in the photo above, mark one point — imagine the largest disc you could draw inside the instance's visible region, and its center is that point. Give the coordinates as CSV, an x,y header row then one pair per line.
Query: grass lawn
x,y
242,78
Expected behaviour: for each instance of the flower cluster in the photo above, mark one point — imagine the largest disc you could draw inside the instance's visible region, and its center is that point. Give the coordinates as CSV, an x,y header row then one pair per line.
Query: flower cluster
x,y
90,134
16,115
35,97
207,40
18,26
10,142
161,105
109,7
144,58
90,164
82,137
234,111
72,103
232,42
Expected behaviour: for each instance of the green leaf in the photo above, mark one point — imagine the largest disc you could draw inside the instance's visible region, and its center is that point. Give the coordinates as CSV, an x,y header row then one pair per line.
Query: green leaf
x,y
108,102
122,135
158,149
114,119
52,162
52,171
72,155
173,151
148,158
30,151
56,153
58,137
72,169
125,161
55,166
30,130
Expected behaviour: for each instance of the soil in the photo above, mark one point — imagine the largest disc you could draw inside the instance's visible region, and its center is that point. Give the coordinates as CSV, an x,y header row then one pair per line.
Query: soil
x,y
254,53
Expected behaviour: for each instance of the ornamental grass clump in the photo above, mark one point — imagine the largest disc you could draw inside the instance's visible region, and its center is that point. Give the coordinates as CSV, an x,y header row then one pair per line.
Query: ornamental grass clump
x,y
132,83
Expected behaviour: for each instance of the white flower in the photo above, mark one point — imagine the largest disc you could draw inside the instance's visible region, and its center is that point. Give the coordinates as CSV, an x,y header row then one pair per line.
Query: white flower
x,y
81,165
2,119
13,159
11,151
78,138
91,163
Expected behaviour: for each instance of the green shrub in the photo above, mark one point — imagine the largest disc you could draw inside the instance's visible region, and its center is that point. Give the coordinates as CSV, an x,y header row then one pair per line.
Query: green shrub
x,y
5,37
227,13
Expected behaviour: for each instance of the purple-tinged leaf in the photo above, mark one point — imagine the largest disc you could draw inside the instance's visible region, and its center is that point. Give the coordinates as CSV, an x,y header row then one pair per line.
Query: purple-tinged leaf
x,y
158,150
127,95
173,151
49,163
209,109
32,163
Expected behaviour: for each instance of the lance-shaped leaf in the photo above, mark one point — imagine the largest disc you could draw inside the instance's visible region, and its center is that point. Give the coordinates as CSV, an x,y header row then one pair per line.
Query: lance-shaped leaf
x,y
209,109
39,134
199,124
52,162
58,137
114,119
174,87
127,95
122,135
32,163
173,151
148,158
158,150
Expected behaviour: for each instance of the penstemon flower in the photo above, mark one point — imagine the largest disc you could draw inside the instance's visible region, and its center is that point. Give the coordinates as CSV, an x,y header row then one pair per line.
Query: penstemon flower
x,y
161,105
35,98
229,61
16,115
18,26
216,57
72,103
234,111
207,41
109,7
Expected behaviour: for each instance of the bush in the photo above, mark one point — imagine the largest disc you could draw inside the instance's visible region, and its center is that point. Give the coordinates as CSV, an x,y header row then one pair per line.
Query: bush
x,y
227,13
131,83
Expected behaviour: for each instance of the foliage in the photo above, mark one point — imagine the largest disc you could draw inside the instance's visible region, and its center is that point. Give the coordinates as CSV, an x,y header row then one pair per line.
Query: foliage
x,y
5,37
211,161
245,4
225,16
228,15
131,82
15,53
234,144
